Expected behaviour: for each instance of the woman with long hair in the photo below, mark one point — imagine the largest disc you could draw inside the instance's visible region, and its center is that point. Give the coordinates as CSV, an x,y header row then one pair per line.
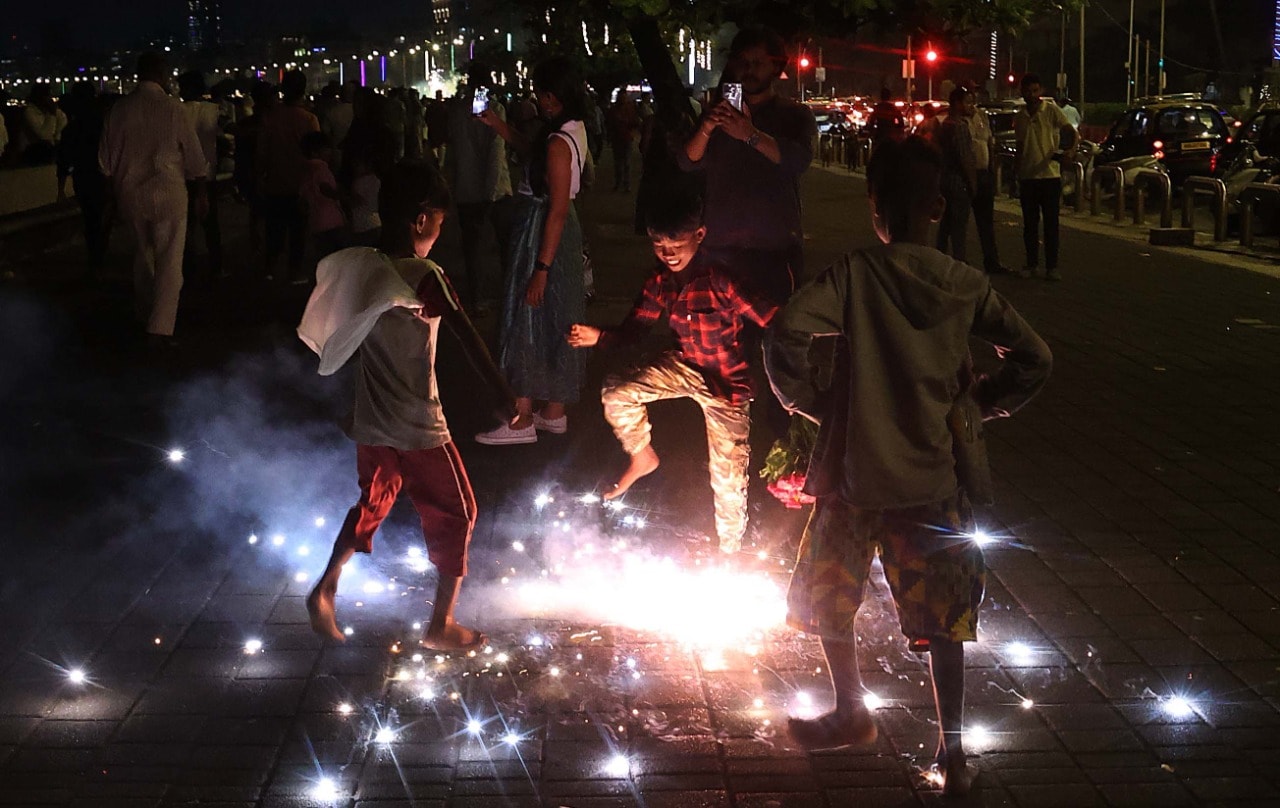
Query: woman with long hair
x,y
544,286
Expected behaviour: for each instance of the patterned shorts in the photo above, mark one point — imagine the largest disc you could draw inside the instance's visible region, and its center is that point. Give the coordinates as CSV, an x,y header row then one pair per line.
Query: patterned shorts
x,y
935,571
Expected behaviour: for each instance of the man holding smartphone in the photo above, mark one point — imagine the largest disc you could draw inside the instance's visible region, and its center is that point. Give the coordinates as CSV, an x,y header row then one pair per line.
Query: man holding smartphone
x,y
752,155
475,164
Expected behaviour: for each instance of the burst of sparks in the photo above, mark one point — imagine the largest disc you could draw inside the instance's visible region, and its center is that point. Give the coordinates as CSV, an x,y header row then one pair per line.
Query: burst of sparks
x,y
176,455
385,735
1027,704
1020,653
872,701
345,708
474,726
618,766
325,789
1179,707
252,646
77,676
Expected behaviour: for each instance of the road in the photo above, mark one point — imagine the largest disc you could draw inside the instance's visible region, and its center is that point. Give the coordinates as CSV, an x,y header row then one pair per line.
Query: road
x,y
1130,639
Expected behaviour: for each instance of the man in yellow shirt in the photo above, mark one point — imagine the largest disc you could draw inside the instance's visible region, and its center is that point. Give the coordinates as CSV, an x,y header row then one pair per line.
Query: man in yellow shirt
x,y
1045,138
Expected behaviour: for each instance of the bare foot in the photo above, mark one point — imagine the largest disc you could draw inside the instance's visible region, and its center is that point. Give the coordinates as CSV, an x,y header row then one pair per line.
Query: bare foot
x,y
833,731
320,609
959,780
453,637
957,777
643,462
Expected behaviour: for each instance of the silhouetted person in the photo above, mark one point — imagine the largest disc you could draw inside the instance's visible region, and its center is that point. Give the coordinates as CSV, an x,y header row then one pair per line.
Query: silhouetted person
x,y
280,165
78,160
150,151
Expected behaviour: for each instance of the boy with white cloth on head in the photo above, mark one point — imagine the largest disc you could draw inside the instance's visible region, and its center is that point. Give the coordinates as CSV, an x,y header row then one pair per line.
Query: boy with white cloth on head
x,y
385,308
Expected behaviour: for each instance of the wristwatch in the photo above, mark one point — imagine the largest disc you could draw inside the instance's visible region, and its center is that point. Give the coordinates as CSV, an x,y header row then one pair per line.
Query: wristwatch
x,y
754,139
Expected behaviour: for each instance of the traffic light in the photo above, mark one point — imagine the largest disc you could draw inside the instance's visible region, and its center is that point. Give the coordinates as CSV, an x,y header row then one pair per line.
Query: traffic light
x,y
931,55
1012,79
804,62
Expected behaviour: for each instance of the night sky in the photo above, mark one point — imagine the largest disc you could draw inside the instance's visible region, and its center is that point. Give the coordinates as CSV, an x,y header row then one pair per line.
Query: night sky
x,y
105,24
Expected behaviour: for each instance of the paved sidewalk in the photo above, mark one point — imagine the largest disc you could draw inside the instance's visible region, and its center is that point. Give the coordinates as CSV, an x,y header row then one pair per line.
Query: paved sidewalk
x,y
1130,640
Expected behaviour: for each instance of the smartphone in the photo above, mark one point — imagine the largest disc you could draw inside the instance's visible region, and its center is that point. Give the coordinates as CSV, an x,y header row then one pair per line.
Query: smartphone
x,y
480,102
733,94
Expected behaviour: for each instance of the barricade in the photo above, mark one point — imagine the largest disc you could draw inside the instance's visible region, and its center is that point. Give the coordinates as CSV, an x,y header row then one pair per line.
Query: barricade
x,y
1095,190
1218,190
1077,171
1149,176
1253,193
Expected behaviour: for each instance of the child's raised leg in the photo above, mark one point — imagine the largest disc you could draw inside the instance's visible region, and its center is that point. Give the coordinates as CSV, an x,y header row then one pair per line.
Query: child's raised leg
x,y
625,399
320,606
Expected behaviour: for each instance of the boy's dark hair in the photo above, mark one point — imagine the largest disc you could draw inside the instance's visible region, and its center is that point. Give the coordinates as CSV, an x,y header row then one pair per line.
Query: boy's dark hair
x,y
1029,79
411,188
958,95
313,142
674,214
906,179
759,36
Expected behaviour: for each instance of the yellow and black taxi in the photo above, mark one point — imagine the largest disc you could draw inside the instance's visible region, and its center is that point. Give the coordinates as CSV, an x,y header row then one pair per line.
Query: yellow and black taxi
x,y
1184,132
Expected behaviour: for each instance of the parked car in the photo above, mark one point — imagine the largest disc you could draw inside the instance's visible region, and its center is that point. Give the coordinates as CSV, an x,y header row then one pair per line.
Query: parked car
x,y
1182,132
1258,136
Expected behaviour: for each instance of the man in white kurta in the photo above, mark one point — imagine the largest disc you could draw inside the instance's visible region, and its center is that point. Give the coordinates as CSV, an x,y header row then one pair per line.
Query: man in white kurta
x,y
149,150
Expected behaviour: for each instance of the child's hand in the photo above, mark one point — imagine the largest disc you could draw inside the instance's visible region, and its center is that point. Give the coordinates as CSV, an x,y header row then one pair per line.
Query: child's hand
x,y
583,336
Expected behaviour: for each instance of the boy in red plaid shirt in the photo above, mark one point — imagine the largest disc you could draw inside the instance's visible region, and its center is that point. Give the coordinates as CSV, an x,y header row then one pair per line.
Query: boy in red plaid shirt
x,y
707,310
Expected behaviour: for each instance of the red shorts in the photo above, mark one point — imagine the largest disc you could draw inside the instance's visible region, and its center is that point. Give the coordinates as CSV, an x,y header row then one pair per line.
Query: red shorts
x,y
436,482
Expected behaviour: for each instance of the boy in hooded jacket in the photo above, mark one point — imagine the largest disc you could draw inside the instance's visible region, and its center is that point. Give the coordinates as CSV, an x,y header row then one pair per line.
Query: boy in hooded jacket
x,y
902,410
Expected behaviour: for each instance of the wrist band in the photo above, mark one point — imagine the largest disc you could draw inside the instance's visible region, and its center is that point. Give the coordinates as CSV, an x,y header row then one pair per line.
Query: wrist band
x,y
541,266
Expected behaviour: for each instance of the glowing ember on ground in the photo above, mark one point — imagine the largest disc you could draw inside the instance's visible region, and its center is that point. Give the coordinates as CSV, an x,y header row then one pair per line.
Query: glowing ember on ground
x,y
176,455
252,646
982,538
872,701
345,708
1020,653
385,735
977,735
618,766
319,521
511,739
326,789
1179,707
253,539
76,676
474,726
1027,704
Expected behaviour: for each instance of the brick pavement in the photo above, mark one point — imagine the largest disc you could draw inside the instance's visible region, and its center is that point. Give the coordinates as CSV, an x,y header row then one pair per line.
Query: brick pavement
x,y
1135,560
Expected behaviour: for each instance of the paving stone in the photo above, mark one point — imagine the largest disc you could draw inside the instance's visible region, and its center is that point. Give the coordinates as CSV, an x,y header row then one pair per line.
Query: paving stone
x,y
1056,796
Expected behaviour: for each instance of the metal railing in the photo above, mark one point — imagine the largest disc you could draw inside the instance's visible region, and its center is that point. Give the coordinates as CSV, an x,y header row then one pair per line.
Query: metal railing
x,y
1095,190
1149,176
1206,185
1077,171
1253,193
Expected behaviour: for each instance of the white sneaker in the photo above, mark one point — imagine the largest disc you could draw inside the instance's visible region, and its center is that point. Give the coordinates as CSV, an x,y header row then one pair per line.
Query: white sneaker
x,y
504,435
556,426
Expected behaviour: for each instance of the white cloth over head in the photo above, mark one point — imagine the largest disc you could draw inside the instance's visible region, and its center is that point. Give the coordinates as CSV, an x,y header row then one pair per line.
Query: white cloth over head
x,y
354,287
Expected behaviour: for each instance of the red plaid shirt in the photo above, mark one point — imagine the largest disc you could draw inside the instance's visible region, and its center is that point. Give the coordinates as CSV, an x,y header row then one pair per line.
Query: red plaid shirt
x,y
706,308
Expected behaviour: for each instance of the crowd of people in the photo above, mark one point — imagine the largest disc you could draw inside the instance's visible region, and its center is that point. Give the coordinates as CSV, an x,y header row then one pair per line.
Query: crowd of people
x,y
351,194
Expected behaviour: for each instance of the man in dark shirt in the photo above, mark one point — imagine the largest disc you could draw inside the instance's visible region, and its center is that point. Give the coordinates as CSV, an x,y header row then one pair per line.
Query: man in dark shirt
x,y
752,159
